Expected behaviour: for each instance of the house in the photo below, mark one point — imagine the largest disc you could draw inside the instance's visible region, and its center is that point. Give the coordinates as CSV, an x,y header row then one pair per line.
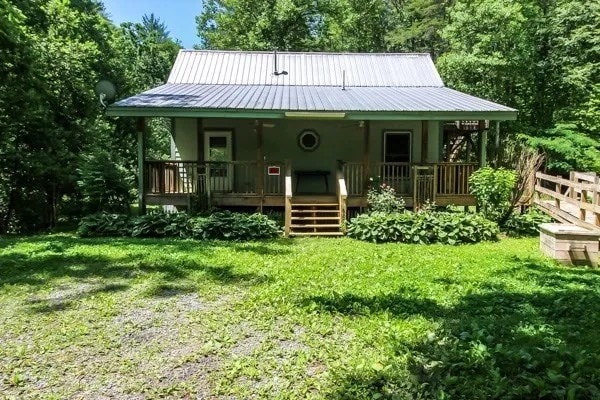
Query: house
x,y
306,131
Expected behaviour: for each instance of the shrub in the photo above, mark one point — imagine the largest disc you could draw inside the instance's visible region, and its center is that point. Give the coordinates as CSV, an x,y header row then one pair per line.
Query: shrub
x,y
382,198
161,225
526,224
105,185
379,227
493,190
234,226
220,225
104,224
422,227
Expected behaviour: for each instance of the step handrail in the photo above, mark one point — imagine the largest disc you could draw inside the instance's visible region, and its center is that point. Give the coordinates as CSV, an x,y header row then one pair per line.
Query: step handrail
x,y
342,193
288,197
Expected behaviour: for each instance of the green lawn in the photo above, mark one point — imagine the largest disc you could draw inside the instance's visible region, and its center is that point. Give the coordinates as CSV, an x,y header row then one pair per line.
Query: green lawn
x,y
316,318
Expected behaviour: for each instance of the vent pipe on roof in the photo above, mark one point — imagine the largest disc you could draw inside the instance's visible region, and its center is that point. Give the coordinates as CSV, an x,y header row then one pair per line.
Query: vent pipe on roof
x,y
343,79
276,71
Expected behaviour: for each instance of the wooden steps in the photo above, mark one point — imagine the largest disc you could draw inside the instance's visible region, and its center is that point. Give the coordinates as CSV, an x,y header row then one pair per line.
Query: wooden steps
x,y
315,218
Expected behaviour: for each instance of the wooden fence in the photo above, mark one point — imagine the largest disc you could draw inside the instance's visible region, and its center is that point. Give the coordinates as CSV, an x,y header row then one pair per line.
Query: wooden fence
x,y
575,200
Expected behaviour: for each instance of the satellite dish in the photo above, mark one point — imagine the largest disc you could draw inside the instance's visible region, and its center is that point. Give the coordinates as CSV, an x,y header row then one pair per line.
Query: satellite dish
x,y
105,90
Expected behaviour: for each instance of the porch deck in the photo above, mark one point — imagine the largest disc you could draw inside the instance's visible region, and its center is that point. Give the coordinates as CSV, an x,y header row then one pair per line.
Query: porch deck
x,y
250,183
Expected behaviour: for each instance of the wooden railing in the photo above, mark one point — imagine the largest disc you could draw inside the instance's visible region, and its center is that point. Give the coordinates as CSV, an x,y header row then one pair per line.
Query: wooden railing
x,y
242,177
396,175
171,177
354,173
342,192
288,197
450,178
424,189
574,200
453,178
274,184
209,177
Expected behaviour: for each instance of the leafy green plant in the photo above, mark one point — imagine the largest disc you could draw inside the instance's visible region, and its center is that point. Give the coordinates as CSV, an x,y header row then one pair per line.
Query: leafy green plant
x,y
160,225
224,225
422,227
526,224
568,148
228,225
493,190
105,224
382,198
105,185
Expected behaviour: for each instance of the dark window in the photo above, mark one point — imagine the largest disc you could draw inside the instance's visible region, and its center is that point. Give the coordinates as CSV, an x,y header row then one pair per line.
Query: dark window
x,y
308,140
397,147
218,141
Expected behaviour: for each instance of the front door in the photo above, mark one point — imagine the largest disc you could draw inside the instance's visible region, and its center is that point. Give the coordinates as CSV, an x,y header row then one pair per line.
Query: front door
x,y
217,149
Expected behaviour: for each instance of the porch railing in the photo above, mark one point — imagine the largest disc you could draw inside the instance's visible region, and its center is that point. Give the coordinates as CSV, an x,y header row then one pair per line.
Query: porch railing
x,y
396,175
446,179
453,178
209,177
242,177
171,177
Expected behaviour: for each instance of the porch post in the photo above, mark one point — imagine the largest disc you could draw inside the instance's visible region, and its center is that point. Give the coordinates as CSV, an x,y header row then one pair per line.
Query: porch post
x,y
260,161
141,155
366,151
483,149
199,139
424,141
497,143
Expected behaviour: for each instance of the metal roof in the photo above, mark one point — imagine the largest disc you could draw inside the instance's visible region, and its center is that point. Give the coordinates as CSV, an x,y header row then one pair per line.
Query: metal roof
x,y
309,98
216,82
204,67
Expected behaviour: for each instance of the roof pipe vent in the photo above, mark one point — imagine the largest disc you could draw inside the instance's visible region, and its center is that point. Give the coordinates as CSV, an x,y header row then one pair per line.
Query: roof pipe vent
x,y
343,79
276,71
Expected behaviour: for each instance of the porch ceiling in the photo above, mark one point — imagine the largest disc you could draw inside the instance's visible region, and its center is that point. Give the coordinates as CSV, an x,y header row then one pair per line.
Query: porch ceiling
x,y
272,101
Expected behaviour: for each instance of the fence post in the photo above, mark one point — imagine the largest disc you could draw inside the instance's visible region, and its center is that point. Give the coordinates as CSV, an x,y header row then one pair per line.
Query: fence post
x,y
208,186
558,189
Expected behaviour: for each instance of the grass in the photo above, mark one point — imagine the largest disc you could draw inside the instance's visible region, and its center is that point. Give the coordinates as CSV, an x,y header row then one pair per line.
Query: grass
x,y
311,318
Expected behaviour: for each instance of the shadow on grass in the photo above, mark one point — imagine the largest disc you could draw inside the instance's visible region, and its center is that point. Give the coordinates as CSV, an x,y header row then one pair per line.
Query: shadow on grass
x,y
169,267
401,304
496,343
59,243
65,298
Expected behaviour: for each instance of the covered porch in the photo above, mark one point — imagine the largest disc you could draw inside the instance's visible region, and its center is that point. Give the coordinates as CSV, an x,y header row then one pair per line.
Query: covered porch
x,y
230,162
256,184
240,163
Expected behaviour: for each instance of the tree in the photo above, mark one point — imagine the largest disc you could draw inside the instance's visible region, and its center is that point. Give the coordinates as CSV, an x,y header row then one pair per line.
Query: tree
x,y
53,52
300,25
489,51
419,26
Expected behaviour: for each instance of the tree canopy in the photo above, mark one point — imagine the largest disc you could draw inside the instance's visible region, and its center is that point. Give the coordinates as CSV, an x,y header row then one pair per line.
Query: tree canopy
x,y
52,54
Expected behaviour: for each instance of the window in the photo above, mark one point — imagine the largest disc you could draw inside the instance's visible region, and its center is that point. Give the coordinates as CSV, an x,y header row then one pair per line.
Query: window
x,y
396,147
308,140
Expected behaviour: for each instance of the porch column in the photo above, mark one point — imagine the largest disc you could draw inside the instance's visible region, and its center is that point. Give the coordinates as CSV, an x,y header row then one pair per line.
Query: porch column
x,y
260,160
141,155
366,125
483,149
497,143
199,139
424,141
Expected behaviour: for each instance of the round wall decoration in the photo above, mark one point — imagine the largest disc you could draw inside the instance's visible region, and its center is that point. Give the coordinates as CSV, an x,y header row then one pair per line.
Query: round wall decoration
x,y
309,140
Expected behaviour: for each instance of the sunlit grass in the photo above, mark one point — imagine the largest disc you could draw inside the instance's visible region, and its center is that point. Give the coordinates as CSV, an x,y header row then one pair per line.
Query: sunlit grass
x,y
320,318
